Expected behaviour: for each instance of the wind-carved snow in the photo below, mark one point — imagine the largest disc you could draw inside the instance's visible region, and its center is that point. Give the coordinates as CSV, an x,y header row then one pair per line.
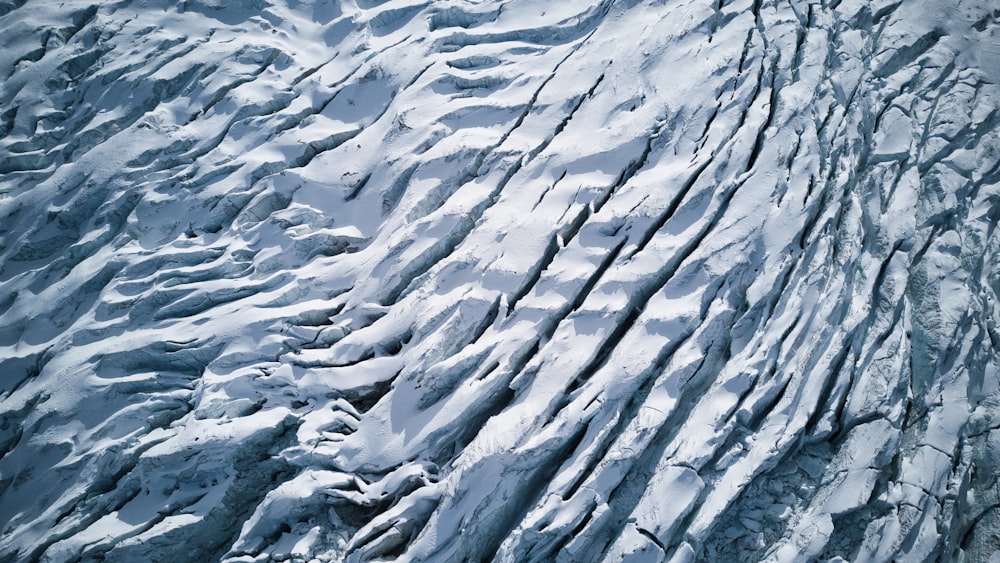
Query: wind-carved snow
x,y
502,280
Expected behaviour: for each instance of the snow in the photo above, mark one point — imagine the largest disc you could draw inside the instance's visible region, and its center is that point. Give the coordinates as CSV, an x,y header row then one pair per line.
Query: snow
x,y
499,280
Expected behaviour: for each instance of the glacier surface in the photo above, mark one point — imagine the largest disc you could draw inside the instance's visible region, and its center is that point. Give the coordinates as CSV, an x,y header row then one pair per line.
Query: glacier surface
x,y
499,280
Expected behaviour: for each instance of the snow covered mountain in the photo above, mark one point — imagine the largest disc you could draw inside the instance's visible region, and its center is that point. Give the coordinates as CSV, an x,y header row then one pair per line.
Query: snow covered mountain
x,y
499,280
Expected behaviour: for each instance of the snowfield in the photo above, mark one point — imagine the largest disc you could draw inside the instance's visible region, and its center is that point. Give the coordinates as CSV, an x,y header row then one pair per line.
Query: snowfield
x,y
500,280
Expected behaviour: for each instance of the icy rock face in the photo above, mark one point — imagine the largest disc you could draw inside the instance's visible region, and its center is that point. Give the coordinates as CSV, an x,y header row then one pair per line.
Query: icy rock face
x,y
507,280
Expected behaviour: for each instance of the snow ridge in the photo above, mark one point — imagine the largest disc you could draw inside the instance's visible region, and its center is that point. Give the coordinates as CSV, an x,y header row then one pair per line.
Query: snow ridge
x,y
505,280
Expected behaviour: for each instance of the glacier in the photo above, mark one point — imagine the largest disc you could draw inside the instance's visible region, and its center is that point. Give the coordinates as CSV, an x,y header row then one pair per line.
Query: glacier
x,y
499,280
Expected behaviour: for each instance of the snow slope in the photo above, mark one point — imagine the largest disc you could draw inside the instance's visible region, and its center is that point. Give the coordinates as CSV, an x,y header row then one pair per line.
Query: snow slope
x,y
510,280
